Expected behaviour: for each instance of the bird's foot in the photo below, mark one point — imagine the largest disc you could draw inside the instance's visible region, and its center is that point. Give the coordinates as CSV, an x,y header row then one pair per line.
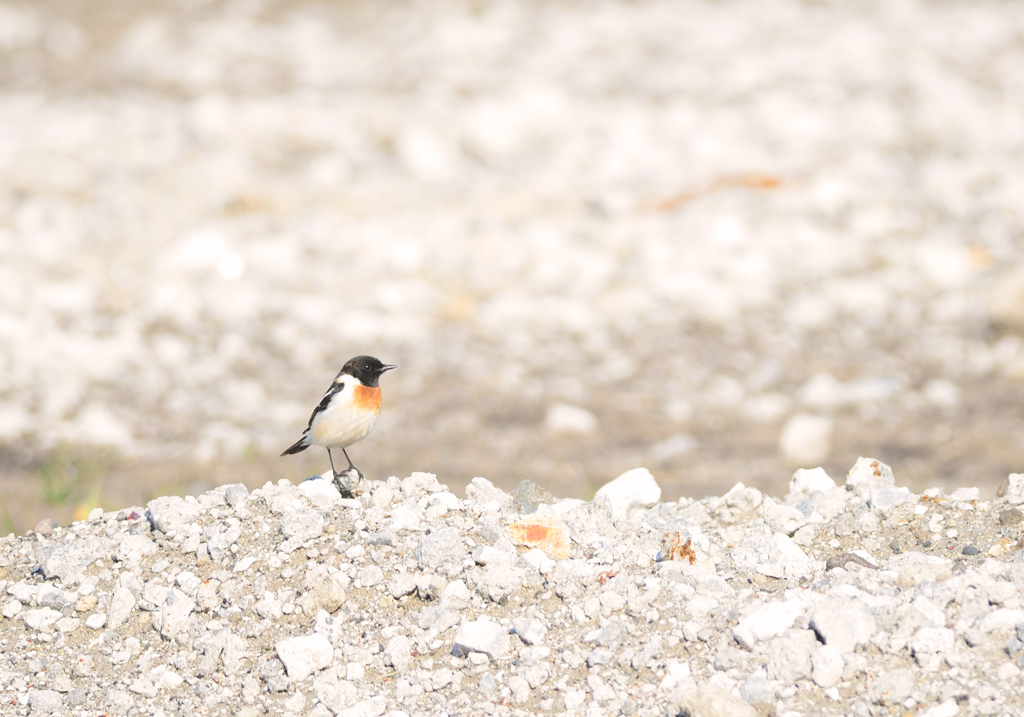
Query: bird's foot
x,y
347,482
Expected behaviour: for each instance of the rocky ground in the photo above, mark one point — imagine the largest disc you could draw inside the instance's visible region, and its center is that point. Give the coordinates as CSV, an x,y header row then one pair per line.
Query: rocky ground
x,y
858,599
721,239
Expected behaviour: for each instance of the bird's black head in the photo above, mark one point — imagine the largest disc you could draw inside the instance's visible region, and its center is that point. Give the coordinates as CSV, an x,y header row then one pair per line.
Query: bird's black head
x,y
365,368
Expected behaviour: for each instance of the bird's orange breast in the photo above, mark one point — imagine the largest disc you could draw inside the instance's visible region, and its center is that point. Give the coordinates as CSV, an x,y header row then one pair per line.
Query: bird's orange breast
x,y
366,398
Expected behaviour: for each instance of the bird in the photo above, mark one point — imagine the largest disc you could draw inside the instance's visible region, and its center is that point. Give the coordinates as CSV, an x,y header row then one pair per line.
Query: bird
x,y
347,412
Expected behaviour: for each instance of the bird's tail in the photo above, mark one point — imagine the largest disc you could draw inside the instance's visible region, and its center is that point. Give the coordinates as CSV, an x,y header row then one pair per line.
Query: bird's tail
x,y
299,446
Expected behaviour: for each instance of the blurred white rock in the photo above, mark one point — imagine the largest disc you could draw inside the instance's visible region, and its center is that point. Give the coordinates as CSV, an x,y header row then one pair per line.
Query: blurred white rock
x,y
942,392
14,421
1005,299
806,439
822,390
96,425
766,408
427,153
946,264
563,418
678,409
672,447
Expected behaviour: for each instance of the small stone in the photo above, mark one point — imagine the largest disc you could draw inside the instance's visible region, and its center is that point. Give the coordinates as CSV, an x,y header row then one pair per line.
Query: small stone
x,y
119,702
401,584
133,549
892,687
499,580
142,686
757,689
766,622
41,619
1010,517
436,619
304,655
929,645
530,630
827,665
455,596
370,575
843,622
381,497
743,498
326,595
44,527
545,532
439,548
483,636
867,472
67,625
169,514
710,701
68,559
121,605
83,666
527,496
883,499
429,587
235,494
399,652
336,694
300,525
789,657
635,487
484,493
172,617
970,550
612,633
1013,488
806,481
244,564
11,608
599,656
86,603
45,701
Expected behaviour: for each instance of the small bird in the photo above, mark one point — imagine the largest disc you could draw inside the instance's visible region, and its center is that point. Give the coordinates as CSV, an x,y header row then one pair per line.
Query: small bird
x,y
347,412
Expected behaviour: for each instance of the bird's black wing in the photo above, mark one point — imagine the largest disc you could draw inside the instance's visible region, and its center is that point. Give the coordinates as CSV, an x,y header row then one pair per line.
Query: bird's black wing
x,y
325,401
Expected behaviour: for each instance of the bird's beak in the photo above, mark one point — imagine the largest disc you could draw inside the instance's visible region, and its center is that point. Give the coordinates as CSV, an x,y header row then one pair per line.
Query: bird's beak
x,y
388,367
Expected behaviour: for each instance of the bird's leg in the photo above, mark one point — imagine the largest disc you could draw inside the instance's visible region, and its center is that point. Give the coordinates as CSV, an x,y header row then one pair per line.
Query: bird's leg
x,y
350,466
333,471
347,483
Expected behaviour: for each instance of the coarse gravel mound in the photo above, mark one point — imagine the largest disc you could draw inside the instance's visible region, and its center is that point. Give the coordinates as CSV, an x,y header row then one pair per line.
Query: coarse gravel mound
x,y
857,599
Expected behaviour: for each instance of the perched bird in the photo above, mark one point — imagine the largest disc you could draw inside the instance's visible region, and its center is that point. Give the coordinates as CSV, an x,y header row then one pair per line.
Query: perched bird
x,y
347,412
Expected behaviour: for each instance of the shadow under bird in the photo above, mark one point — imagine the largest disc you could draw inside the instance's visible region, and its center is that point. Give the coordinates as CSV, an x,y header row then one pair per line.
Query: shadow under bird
x,y
347,412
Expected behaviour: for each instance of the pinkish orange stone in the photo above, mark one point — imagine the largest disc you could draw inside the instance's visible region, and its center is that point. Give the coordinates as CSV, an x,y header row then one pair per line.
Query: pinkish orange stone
x,y
544,532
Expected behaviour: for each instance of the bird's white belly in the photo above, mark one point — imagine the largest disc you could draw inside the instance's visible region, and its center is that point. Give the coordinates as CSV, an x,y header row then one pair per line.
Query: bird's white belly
x,y
339,428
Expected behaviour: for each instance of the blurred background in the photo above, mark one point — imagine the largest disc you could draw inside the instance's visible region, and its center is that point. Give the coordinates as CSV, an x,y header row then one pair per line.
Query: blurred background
x,y
722,240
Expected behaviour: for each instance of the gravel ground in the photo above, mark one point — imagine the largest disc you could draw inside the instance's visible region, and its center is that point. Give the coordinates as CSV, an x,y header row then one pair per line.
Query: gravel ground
x,y
862,599
721,239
